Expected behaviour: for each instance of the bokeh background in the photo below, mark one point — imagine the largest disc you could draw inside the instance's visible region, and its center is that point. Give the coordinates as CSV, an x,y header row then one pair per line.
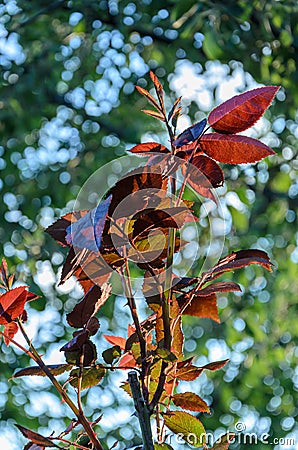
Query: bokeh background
x,y
67,107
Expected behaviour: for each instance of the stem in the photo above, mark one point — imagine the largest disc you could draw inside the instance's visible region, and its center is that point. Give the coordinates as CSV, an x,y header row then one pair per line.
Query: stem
x,y
79,414
142,411
133,309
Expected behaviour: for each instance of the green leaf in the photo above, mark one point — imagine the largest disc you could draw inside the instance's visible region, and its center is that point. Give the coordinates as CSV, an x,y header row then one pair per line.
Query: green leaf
x,y
187,427
165,354
90,376
163,447
111,354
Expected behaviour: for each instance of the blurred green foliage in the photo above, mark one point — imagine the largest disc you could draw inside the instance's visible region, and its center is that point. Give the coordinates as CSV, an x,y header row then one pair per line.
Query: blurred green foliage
x,y
68,106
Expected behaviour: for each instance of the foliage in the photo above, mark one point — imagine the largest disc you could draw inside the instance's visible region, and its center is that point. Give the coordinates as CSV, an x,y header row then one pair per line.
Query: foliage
x,y
111,239
54,64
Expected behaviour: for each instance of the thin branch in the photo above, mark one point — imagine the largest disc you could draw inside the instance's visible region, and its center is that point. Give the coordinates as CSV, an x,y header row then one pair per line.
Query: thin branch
x,y
81,417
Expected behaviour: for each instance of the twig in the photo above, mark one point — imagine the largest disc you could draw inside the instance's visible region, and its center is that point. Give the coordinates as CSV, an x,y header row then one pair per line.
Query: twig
x,y
79,414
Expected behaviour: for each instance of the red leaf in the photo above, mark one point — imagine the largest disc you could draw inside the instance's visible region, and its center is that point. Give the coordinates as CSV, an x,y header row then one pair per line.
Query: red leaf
x,y
116,340
12,304
242,111
234,149
149,147
10,329
237,260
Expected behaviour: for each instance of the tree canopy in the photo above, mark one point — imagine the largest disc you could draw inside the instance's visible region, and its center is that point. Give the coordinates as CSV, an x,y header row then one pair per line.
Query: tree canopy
x,y
68,105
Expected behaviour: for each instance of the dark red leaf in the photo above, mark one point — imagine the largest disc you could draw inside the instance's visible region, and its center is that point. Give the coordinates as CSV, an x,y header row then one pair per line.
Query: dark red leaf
x,y
234,149
12,304
190,134
55,369
136,189
36,438
242,111
85,309
76,343
150,219
209,168
225,286
149,147
242,258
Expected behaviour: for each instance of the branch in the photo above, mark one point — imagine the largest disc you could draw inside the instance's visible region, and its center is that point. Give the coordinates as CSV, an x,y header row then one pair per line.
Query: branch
x,y
142,411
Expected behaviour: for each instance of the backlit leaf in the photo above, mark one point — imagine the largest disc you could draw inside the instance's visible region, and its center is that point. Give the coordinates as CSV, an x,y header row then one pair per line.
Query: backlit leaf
x,y
225,286
210,169
240,259
116,340
36,438
188,373
154,114
158,89
149,147
190,401
216,365
149,97
12,304
234,149
55,369
186,424
90,376
10,329
242,111
201,306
